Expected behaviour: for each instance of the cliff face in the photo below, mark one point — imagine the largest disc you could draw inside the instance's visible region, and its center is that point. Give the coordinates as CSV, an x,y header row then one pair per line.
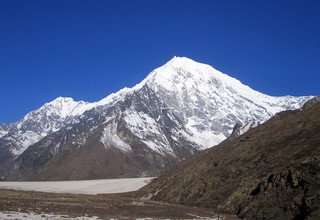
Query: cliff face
x,y
270,172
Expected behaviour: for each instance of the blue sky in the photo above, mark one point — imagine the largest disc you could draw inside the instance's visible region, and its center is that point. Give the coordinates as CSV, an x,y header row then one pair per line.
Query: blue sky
x,y
89,49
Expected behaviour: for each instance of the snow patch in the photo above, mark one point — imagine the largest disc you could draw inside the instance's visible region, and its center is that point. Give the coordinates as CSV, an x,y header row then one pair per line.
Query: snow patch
x,y
2,133
110,138
147,129
24,140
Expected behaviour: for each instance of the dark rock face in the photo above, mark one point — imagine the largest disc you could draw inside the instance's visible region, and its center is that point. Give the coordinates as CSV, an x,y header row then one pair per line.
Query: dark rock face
x,y
290,194
270,172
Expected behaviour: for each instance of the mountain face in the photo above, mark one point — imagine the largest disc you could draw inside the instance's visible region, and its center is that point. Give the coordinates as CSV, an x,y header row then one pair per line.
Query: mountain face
x,y
39,123
177,110
17,137
270,172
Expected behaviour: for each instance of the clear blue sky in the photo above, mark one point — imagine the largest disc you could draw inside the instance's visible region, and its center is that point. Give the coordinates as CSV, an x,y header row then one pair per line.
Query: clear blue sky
x,y
89,49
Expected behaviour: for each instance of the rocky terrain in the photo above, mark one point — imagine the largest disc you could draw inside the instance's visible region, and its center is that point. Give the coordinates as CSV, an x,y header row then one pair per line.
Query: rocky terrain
x,y
112,206
270,172
179,109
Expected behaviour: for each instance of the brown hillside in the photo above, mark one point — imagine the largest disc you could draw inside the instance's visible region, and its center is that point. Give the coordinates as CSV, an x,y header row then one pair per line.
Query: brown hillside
x,y
270,172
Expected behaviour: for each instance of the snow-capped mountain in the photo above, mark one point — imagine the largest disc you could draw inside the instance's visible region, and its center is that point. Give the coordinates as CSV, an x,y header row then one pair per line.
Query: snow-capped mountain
x,y
178,109
39,123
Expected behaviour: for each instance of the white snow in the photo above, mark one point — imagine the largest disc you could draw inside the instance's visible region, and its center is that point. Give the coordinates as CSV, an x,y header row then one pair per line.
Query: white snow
x,y
110,138
3,133
149,131
193,88
204,138
61,106
91,187
182,72
68,107
247,126
25,140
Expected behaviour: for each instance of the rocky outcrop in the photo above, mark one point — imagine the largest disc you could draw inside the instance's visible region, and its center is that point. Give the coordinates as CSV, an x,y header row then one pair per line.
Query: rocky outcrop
x,y
311,102
240,129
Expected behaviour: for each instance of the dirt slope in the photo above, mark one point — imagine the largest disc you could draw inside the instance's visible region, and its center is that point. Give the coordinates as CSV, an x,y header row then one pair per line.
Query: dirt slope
x,y
270,172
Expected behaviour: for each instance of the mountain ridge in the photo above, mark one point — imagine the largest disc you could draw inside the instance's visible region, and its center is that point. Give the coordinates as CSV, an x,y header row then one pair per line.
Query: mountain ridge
x,y
179,108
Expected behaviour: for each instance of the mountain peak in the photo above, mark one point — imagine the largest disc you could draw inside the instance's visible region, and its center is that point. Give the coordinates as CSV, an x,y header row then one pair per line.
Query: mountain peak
x,y
177,59
183,62
62,99
44,121
187,72
65,106
179,108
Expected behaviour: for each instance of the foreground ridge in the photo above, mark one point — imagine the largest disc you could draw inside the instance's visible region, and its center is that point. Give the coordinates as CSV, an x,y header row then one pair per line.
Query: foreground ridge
x,y
270,172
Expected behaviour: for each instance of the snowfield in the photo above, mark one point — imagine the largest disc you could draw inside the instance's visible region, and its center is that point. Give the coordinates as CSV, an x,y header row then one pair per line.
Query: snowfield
x,y
91,187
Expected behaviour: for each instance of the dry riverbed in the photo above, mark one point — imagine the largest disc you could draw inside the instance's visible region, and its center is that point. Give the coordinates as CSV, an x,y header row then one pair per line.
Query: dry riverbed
x,y
40,205
91,187
89,199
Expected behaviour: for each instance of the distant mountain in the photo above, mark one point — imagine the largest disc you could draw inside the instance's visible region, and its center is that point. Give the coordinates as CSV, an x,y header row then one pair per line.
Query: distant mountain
x,y
177,110
270,172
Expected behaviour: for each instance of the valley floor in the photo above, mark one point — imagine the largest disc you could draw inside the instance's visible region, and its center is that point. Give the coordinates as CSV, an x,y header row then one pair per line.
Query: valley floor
x,y
91,187
40,205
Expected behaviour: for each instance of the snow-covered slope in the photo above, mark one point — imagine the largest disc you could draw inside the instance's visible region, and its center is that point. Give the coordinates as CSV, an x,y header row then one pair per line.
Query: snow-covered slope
x,y
208,102
39,123
179,108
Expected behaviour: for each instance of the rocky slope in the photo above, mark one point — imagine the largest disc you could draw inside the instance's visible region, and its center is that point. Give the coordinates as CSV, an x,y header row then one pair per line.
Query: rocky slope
x,y
179,109
270,172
